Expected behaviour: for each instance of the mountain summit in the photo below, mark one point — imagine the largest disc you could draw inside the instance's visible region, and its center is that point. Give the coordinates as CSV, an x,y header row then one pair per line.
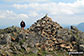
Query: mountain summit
x,y
44,38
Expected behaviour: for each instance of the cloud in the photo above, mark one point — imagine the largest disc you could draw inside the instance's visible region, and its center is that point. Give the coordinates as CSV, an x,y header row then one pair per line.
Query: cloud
x,y
64,13
23,16
1,16
54,8
11,15
25,1
33,14
18,6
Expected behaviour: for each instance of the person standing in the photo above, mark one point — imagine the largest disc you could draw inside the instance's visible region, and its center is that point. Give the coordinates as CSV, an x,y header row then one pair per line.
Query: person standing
x,y
22,24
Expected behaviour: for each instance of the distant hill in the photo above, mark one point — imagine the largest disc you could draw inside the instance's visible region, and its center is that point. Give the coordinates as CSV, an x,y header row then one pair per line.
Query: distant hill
x,y
80,26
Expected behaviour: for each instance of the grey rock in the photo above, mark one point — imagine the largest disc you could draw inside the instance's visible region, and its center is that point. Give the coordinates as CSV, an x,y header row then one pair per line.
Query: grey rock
x,y
35,51
6,39
49,55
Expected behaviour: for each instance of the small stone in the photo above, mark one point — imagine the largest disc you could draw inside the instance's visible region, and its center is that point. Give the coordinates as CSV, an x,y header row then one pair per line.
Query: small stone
x,y
13,38
35,51
50,49
38,25
63,45
49,55
68,47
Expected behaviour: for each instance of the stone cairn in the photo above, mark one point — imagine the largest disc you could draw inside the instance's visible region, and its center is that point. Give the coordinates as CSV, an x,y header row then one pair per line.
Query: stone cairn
x,y
48,30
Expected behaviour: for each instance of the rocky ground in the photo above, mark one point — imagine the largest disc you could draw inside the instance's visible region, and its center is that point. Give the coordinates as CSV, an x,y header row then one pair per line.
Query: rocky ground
x,y
43,38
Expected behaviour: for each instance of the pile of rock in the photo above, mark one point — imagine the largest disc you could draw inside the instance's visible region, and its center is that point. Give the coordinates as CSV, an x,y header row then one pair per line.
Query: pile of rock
x,y
45,24
43,35
57,37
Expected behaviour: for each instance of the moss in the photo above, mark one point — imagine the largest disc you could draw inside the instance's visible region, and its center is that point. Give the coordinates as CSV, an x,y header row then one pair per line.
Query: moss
x,y
19,55
42,53
31,54
22,41
22,50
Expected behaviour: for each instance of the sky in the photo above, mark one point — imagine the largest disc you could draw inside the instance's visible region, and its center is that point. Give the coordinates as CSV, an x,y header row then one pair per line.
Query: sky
x,y
65,12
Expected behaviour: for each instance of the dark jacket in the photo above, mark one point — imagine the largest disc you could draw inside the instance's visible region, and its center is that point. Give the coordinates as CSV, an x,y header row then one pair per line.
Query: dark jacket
x,y
22,24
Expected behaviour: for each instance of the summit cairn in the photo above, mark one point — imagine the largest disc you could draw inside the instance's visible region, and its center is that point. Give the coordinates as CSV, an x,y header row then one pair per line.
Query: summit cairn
x,y
55,37
48,30
45,24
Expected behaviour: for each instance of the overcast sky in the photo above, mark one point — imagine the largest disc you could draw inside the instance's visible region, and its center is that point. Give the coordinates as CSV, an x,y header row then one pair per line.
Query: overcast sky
x,y
68,12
